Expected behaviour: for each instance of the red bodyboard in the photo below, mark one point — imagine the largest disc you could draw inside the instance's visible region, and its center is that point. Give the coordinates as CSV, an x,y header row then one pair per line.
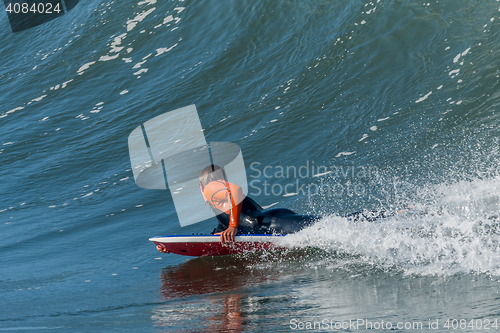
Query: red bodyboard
x,y
210,245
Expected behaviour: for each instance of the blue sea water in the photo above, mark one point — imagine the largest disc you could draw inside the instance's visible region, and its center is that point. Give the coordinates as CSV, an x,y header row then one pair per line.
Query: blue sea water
x,y
337,106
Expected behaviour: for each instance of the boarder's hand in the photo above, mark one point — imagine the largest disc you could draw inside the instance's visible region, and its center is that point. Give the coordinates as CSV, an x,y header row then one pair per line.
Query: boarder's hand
x,y
161,249
228,235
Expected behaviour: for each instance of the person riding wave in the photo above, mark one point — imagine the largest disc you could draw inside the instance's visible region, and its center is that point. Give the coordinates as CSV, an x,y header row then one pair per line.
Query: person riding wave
x,y
239,214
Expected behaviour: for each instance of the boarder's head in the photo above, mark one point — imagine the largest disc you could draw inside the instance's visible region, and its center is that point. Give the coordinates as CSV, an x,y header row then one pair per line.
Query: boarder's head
x,y
211,173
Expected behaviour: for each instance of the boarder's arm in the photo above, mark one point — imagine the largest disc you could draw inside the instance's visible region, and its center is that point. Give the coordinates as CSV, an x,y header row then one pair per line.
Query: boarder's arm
x,y
235,198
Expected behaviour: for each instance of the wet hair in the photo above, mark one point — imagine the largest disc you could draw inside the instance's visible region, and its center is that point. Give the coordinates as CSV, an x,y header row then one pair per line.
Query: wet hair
x,y
211,173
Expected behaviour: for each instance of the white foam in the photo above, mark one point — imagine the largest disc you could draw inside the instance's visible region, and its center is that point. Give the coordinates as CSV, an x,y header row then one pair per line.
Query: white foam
x,y
38,99
143,70
457,233
85,67
64,84
139,64
421,99
168,19
108,58
322,174
12,111
345,153
131,24
271,205
165,49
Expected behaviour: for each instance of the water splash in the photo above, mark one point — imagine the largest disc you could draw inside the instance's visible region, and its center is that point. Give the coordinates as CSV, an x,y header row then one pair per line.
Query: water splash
x,y
458,233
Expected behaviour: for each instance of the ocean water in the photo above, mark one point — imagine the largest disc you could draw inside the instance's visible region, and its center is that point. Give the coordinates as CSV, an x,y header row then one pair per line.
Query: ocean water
x,y
337,106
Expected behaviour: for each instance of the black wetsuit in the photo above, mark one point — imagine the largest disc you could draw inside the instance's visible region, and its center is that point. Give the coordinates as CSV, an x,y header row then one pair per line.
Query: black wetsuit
x,y
255,220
